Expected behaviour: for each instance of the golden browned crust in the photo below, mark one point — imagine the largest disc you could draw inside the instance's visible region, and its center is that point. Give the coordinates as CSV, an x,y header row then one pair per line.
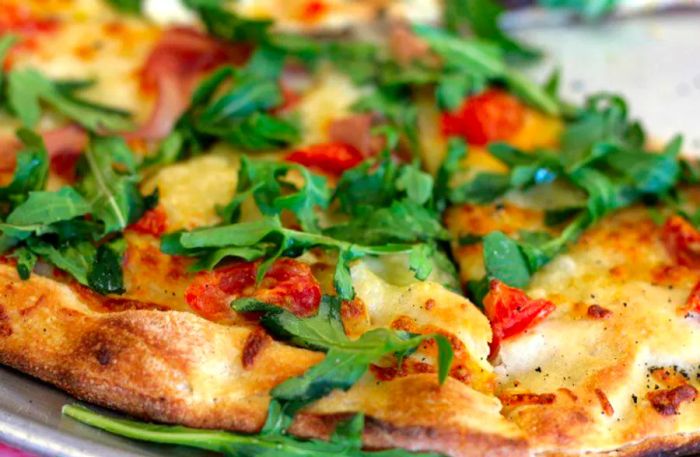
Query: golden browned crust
x,y
666,446
175,367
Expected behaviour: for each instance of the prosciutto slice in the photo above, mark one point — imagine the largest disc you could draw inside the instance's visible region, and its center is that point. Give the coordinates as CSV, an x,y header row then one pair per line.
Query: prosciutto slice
x,y
172,69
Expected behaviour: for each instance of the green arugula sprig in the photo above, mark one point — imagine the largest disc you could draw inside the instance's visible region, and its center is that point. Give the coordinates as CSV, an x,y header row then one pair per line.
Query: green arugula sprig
x,y
232,105
53,225
482,17
346,360
602,156
27,89
267,182
484,60
271,442
267,239
127,6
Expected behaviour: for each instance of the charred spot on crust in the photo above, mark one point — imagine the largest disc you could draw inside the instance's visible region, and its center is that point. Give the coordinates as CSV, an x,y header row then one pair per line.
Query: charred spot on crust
x,y
103,356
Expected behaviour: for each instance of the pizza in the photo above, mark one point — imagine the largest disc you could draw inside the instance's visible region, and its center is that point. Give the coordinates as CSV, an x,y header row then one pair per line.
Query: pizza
x,y
329,227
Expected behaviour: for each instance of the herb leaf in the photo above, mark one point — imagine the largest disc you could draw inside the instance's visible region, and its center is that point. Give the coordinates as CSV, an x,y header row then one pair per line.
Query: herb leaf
x,y
345,442
346,360
27,87
113,195
265,181
484,59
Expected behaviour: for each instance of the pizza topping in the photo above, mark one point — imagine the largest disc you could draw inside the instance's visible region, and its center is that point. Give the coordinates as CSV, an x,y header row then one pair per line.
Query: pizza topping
x,y
396,216
405,46
256,341
682,241
64,145
356,131
481,119
598,312
330,158
692,304
153,222
288,284
77,229
604,402
667,402
625,175
522,399
346,360
511,312
172,68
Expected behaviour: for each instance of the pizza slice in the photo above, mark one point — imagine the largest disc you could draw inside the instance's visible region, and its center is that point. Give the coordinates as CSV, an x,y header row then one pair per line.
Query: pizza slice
x,y
231,225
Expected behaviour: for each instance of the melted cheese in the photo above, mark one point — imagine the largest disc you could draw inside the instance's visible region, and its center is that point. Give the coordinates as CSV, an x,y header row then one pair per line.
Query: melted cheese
x,y
189,191
102,49
622,266
328,99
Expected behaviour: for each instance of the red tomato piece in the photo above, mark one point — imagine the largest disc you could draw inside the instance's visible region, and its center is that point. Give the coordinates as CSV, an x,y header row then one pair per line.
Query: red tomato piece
x,y
329,158
682,241
489,116
511,312
288,283
692,305
153,222
313,11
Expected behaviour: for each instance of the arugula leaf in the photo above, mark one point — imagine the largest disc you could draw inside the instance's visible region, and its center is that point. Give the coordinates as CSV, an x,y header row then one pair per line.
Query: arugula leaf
x,y
265,181
27,88
402,222
484,188
127,6
232,105
395,105
26,260
42,208
53,225
75,258
31,170
417,184
225,24
482,17
268,239
114,195
346,360
345,442
603,155
504,260
486,60
456,151
105,276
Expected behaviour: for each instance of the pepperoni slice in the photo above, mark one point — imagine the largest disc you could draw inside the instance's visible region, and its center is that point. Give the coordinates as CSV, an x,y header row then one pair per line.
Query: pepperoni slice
x,y
490,116
511,312
288,283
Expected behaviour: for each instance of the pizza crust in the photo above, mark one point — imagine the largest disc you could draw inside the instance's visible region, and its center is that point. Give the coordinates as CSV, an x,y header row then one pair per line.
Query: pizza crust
x,y
175,367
